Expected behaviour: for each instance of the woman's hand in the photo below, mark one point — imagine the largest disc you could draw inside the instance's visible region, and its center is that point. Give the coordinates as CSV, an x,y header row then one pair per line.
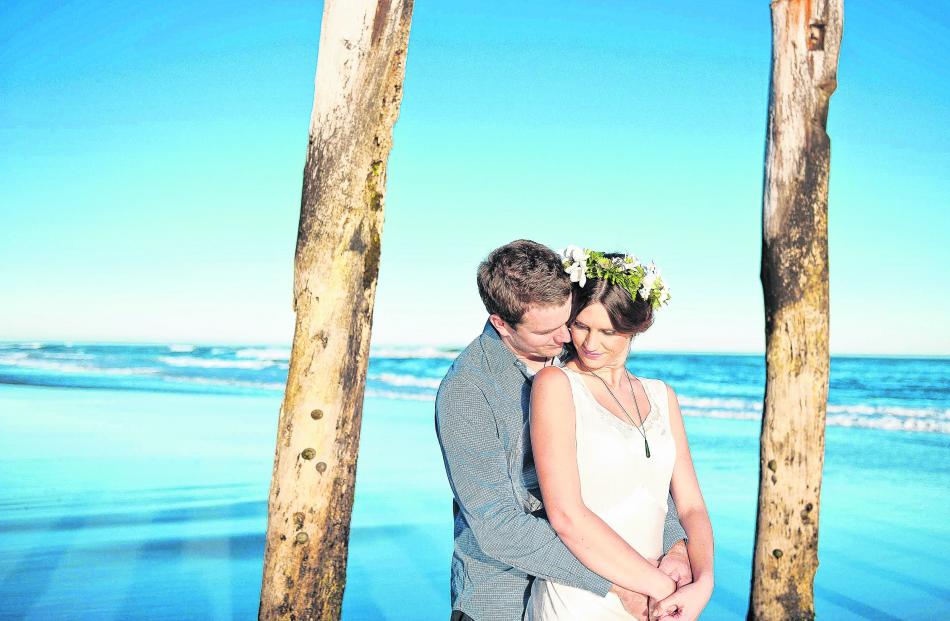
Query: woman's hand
x,y
686,603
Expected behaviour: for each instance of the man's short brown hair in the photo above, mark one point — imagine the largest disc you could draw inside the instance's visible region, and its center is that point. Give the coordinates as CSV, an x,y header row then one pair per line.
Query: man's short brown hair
x,y
518,275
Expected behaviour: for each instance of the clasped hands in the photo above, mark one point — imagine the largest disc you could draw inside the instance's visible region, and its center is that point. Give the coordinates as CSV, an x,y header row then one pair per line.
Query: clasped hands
x,y
686,599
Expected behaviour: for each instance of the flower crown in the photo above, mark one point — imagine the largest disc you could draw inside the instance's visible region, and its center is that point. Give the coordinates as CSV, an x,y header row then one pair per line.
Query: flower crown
x,y
625,271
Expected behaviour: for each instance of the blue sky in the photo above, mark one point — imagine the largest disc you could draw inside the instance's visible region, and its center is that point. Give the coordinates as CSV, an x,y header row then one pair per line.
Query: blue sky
x,y
152,154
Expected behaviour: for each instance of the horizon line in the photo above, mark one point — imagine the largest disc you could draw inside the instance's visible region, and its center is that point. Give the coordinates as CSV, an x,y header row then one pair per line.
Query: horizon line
x,y
442,346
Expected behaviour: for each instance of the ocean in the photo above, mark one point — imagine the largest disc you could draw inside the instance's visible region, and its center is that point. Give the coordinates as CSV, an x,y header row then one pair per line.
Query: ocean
x,y
134,480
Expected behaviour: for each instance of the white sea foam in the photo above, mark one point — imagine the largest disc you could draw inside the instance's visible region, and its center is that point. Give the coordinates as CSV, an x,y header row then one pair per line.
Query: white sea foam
x,y
12,358
205,381
126,371
396,379
889,410
264,354
722,404
418,352
392,394
206,363
891,423
705,404
730,414
24,362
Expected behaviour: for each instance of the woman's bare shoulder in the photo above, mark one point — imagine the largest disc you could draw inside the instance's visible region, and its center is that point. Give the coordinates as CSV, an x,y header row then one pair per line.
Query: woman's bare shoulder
x,y
551,381
553,375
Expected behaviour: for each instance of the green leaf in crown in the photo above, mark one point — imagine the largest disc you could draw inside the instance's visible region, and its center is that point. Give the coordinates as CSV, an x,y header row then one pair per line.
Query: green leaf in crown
x,y
625,271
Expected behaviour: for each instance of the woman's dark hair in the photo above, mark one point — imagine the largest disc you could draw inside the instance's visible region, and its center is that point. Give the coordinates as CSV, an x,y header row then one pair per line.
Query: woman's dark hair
x,y
629,314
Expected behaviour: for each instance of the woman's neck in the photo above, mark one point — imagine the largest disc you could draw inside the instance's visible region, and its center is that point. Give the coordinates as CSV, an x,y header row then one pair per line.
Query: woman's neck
x,y
612,373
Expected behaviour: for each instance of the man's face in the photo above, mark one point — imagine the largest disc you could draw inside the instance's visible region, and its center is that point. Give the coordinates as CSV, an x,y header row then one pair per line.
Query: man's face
x,y
540,335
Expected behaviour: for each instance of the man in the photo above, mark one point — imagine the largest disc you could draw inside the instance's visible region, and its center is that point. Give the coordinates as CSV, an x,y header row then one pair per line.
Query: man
x,y
502,540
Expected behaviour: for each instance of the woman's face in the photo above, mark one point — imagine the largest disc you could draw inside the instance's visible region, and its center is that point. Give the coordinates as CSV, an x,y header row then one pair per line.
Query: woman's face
x,y
598,345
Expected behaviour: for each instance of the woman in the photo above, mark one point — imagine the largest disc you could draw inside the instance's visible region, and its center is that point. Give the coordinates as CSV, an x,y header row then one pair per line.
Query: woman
x,y
609,447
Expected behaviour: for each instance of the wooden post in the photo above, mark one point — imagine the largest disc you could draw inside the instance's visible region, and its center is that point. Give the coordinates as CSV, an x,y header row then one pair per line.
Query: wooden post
x,y
360,69
806,37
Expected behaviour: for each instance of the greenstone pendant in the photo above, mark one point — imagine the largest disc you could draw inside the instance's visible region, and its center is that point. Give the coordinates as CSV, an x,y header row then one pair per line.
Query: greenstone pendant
x,y
646,446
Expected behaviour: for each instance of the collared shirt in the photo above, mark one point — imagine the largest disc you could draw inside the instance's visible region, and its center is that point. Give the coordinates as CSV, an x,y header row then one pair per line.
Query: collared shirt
x,y
481,419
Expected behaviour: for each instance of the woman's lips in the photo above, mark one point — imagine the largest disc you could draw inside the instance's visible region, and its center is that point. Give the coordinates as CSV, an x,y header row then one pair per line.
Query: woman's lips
x,y
589,354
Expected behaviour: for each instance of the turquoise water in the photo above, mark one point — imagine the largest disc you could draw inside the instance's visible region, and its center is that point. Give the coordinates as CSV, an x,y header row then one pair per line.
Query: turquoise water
x,y
124,502
911,394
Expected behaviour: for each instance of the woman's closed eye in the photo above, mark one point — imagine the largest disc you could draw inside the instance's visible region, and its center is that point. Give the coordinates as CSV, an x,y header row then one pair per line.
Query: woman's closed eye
x,y
580,326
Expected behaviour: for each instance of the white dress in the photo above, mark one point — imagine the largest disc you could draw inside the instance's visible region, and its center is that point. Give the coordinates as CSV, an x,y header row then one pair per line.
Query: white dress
x,y
622,486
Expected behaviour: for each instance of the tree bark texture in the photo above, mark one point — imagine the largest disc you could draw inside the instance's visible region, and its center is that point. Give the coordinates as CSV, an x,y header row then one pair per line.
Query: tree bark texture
x,y
806,37
358,90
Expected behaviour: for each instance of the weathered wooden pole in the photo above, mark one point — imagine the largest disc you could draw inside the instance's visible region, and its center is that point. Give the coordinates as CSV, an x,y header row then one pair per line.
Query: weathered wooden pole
x,y
806,37
360,69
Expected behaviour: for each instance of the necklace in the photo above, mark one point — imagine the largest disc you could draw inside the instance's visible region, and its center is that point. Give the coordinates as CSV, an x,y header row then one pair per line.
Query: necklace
x,y
640,427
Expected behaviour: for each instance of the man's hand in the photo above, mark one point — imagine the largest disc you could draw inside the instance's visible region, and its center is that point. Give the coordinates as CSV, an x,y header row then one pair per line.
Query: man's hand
x,y
676,564
636,604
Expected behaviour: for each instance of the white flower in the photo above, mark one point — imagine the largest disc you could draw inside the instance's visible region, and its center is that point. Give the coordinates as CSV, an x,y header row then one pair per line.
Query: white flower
x,y
576,254
578,273
646,285
630,263
575,263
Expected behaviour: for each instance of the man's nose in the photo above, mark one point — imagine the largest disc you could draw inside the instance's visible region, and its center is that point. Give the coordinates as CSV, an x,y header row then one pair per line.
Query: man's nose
x,y
563,335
